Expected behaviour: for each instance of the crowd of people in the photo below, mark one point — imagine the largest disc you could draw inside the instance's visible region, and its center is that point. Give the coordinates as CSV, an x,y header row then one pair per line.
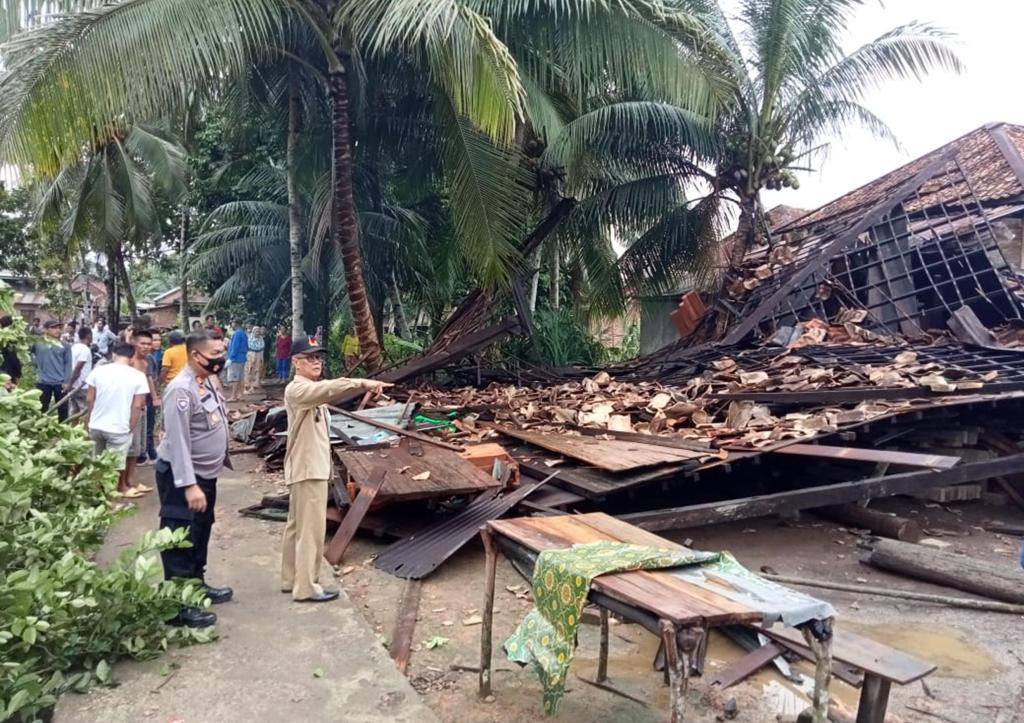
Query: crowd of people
x,y
121,406
123,384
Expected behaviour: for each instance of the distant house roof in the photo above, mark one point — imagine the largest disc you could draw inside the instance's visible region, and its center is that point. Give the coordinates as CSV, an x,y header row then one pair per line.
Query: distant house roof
x,y
173,296
992,158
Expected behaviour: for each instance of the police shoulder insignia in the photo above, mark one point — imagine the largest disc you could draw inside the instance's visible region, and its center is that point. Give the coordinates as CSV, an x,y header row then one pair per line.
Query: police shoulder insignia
x,y
183,404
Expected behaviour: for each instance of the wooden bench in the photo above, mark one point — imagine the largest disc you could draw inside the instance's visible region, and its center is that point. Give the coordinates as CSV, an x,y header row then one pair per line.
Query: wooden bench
x,y
680,613
881,665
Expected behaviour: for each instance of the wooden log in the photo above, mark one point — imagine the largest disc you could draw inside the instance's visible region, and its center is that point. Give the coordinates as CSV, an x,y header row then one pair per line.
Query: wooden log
x,y
957,602
1005,528
879,523
1000,582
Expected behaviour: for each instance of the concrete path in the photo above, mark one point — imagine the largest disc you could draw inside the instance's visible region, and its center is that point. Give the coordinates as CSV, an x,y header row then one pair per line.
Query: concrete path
x,y
275,660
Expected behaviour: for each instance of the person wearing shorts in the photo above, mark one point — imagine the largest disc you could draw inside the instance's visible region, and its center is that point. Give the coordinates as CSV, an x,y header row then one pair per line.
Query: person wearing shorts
x,y
115,402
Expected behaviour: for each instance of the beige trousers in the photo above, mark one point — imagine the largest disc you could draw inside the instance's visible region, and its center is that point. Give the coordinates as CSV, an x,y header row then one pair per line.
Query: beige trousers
x,y
303,544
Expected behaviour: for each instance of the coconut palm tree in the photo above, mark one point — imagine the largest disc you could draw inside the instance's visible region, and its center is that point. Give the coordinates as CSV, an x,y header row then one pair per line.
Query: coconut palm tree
x,y
792,87
82,75
106,201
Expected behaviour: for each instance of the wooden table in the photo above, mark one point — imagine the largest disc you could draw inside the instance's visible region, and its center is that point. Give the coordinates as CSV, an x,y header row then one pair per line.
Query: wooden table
x,y
679,612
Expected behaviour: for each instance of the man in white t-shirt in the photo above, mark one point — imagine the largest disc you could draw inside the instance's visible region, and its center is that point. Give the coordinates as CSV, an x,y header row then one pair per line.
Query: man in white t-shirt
x,y
103,337
116,401
81,366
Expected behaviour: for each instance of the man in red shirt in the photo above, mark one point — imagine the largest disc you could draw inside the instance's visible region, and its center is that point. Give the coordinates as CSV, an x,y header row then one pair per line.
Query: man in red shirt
x,y
283,352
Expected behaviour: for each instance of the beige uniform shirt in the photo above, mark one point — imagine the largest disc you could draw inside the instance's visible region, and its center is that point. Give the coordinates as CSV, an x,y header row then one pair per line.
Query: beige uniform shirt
x,y
308,454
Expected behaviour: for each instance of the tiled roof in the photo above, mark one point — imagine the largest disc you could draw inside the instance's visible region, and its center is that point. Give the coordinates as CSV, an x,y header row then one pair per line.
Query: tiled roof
x,y
987,169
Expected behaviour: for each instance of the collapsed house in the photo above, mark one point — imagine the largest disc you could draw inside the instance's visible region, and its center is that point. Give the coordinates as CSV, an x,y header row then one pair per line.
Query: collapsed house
x,y
870,348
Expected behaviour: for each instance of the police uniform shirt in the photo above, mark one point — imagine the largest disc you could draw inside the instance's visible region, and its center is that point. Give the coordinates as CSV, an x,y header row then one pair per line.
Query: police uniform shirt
x,y
195,423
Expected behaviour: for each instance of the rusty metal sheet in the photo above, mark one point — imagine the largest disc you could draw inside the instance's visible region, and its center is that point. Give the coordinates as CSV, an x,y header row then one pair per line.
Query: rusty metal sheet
x,y
419,555
910,459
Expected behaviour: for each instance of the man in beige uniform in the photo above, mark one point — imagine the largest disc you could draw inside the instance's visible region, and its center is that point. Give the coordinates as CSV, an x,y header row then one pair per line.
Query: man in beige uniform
x,y
307,467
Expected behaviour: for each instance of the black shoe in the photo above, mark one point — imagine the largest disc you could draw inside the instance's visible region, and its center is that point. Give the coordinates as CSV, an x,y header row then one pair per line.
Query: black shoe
x,y
194,618
325,596
218,595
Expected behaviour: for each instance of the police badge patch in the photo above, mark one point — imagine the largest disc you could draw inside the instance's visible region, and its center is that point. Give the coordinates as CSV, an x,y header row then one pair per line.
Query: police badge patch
x,y
183,404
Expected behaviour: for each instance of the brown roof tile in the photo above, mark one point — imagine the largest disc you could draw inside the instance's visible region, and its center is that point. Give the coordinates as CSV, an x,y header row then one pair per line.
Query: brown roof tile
x,y
986,168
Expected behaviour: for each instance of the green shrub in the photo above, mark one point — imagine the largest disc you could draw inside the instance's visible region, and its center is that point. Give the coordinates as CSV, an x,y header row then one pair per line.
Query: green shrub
x,y
63,618
561,339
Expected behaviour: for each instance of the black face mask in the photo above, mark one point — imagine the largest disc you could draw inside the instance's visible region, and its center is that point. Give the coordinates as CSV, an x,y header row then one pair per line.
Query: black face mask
x,y
213,364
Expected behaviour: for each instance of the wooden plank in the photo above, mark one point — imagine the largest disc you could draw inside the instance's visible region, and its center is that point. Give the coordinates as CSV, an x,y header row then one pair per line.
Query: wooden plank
x,y
747,665
595,484
608,454
405,625
863,653
664,594
711,513
449,473
910,459
347,529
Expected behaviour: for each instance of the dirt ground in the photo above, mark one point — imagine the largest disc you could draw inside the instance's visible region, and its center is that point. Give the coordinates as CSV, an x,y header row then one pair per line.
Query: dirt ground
x,y
263,667
980,654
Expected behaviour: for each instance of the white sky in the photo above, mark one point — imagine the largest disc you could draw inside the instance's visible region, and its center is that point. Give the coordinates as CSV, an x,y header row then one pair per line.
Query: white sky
x,y
925,115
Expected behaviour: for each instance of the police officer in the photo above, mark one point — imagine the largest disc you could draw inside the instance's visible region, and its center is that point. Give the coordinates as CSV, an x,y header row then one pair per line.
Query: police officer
x,y
307,467
194,451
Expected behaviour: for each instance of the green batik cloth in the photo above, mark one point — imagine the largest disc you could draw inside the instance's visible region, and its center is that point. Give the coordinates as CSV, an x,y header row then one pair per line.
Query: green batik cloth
x,y
561,581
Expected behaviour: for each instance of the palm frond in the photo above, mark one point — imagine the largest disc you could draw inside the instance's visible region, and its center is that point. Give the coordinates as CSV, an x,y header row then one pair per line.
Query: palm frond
x,y
466,59
487,196
74,82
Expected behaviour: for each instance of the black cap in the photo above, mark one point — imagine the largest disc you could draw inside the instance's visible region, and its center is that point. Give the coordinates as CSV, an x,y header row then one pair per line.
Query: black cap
x,y
176,337
306,345
50,324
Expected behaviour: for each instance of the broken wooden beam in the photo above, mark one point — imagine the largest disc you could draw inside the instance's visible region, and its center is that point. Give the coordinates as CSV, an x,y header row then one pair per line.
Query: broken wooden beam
x,y
747,665
880,456
878,523
711,513
1000,582
347,529
405,625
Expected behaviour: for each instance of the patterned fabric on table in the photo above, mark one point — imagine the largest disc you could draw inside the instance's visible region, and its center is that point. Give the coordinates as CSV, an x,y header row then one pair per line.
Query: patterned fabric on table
x,y
561,581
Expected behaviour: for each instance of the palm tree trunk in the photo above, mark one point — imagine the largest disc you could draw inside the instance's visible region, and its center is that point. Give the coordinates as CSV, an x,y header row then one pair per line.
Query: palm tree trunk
x,y
126,283
294,216
534,280
401,323
344,229
186,218
113,307
746,230
556,278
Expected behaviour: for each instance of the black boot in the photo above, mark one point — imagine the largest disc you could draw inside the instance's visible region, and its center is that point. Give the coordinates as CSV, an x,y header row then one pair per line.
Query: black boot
x,y
218,595
194,618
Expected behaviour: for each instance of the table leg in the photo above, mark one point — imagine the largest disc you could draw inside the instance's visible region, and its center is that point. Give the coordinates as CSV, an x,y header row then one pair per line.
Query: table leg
x,y
818,634
602,657
700,653
486,630
874,699
677,664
